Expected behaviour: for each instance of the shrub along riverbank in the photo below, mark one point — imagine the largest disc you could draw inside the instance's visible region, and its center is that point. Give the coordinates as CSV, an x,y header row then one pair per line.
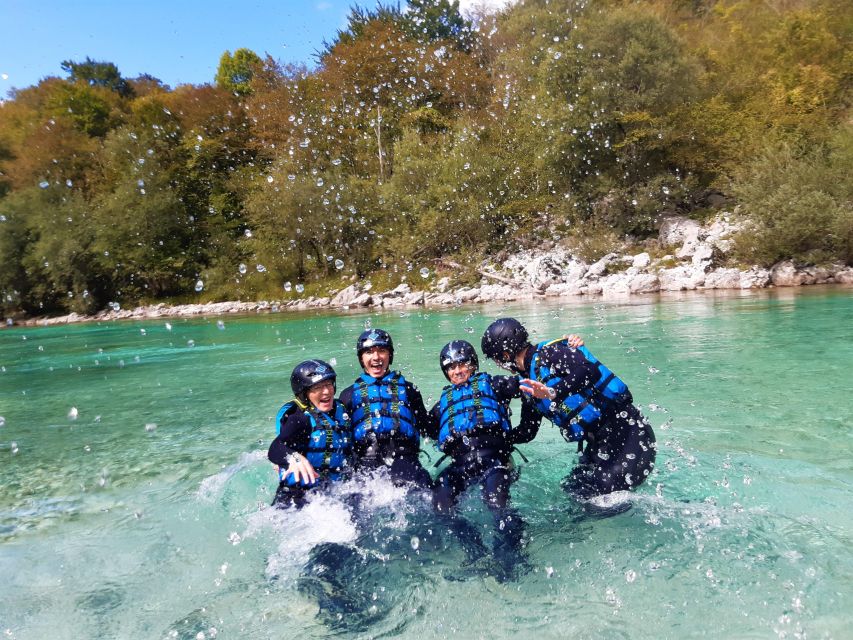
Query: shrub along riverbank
x,y
422,140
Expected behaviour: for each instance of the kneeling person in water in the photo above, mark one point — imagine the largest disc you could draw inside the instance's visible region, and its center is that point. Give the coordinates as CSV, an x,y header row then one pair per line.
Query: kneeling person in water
x,y
388,413
314,442
585,400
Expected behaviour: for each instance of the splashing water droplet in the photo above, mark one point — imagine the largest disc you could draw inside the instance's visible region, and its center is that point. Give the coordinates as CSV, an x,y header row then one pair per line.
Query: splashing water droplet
x,y
199,285
190,343
630,575
288,286
339,264
242,268
270,179
168,326
2,421
261,268
151,426
549,571
424,272
220,325
13,447
72,413
44,184
416,542
248,233
300,288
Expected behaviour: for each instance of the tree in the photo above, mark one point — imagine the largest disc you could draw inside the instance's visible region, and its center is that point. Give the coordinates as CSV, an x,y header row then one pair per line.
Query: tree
x,y
433,20
236,71
97,74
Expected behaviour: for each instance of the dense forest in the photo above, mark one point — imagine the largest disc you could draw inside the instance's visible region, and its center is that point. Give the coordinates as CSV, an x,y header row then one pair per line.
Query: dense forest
x,y
421,137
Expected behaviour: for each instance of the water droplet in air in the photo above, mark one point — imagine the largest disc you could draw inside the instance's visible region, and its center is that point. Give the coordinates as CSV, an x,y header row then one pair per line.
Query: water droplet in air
x,y
199,285
300,288
288,286
261,268
68,183
242,268
220,325
44,184
549,571
72,413
248,233
270,179
424,272
168,326
151,426
319,182
190,343
339,264
2,421
630,575
13,446
416,543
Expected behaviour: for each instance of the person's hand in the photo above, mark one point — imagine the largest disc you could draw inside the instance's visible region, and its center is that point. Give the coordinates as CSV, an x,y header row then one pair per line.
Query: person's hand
x,y
537,389
301,469
574,340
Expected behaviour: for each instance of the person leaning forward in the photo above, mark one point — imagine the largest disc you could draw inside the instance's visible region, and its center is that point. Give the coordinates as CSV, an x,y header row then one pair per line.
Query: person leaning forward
x,y
585,400
387,412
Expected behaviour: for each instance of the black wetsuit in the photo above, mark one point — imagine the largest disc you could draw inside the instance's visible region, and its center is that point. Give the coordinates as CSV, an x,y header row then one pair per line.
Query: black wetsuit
x,y
294,437
619,453
483,456
399,455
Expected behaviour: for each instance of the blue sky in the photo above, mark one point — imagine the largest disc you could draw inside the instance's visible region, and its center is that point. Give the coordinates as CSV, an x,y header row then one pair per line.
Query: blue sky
x,y
178,42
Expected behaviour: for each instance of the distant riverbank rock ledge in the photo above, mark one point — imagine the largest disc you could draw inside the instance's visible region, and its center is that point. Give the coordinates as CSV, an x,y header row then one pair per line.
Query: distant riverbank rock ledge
x,y
693,261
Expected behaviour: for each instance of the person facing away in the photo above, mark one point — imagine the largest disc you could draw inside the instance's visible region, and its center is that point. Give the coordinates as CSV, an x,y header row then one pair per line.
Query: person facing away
x,y
585,400
313,445
470,423
388,413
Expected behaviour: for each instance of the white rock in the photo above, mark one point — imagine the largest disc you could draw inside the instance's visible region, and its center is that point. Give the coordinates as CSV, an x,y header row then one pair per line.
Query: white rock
x,y
644,283
754,278
722,278
678,230
641,260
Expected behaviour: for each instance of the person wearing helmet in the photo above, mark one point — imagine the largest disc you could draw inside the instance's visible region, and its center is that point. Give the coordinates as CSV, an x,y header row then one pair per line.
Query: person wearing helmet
x,y
313,444
387,413
585,400
470,424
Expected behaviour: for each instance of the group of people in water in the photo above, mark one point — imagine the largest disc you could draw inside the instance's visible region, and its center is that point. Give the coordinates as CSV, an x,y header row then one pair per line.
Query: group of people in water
x,y
379,421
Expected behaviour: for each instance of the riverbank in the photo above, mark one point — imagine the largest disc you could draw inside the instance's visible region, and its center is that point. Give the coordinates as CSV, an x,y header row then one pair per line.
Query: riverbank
x,y
693,258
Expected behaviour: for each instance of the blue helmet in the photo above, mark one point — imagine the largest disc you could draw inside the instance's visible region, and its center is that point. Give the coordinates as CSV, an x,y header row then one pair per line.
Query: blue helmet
x,y
504,338
308,373
374,338
456,352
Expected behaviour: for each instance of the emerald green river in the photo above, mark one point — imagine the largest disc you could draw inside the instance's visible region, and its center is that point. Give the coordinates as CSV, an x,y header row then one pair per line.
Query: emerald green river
x,y
135,486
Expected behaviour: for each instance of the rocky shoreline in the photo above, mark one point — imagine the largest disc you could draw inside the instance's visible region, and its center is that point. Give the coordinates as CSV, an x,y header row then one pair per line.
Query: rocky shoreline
x,y
693,263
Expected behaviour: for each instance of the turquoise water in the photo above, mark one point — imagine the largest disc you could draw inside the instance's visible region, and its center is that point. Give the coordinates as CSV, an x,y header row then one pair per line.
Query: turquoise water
x,y
135,486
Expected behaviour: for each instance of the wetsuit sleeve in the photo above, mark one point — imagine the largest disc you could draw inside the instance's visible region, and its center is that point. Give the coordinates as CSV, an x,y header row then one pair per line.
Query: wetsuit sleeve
x,y
506,387
419,412
528,425
346,399
432,423
294,435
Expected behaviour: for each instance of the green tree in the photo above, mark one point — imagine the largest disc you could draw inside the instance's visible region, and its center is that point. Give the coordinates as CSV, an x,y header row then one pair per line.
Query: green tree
x,y
236,70
98,74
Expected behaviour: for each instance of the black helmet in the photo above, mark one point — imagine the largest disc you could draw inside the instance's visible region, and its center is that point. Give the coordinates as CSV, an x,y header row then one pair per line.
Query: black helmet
x,y
306,374
374,338
455,352
504,335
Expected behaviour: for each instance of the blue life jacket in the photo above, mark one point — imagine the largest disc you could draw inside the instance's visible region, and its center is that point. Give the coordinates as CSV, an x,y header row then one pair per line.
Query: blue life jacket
x,y
581,411
330,443
381,406
468,407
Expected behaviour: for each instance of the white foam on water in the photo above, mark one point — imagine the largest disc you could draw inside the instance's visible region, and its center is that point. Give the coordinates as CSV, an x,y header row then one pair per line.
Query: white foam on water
x,y
212,487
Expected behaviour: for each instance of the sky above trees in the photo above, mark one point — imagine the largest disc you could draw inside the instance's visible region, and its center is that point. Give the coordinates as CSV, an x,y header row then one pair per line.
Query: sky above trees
x,y
177,42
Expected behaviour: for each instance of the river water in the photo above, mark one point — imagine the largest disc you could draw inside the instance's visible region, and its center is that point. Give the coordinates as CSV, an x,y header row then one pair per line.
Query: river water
x,y
135,490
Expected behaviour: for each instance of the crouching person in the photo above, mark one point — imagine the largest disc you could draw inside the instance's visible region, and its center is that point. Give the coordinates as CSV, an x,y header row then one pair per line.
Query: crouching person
x,y
314,443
